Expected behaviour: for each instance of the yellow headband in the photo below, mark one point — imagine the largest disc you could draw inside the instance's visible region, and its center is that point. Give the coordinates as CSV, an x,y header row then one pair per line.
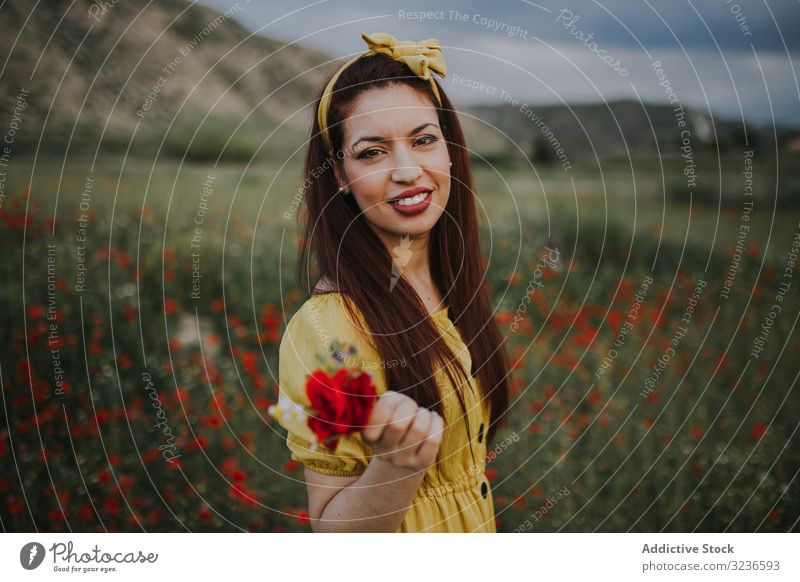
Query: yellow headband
x,y
421,57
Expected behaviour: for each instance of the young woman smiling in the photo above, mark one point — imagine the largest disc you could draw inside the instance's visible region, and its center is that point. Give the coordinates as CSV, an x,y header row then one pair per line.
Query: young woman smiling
x,y
390,223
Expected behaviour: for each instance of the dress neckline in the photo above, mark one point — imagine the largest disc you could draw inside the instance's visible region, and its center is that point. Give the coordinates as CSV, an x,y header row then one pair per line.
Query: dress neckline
x,y
440,311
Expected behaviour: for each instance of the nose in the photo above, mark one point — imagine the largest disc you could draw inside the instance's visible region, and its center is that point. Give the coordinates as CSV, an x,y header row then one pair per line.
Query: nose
x,y
407,169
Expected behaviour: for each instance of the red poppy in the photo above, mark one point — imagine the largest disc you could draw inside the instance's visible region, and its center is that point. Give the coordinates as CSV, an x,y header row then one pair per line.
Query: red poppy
x,y
212,421
156,515
112,506
723,362
250,363
270,335
202,442
86,513
341,404
269,317
759,430
504,317
15,508
656,318
129,313
204,514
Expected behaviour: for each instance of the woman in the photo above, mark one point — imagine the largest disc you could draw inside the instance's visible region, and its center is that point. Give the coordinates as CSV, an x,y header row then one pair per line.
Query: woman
x,y
391,223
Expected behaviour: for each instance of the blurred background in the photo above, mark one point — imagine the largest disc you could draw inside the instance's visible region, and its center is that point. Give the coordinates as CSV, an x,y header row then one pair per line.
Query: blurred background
x,y
150,172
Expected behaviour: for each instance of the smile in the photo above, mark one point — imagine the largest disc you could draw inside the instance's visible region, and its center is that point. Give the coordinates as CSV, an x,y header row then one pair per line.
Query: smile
x,y
413,204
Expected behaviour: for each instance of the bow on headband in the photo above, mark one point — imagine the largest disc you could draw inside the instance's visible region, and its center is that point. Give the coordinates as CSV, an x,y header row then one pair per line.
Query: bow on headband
x,y
421,57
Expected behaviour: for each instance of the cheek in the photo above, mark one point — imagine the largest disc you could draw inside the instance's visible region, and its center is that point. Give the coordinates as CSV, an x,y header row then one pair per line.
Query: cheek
x,y
370,199
443,169
367,187
445,181
444,197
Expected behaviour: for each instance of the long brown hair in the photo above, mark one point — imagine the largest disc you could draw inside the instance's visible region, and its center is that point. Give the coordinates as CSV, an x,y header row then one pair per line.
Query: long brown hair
x,y
348,252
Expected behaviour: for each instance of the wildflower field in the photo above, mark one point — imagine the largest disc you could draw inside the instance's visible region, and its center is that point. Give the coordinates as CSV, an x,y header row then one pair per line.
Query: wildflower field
x,y
654,381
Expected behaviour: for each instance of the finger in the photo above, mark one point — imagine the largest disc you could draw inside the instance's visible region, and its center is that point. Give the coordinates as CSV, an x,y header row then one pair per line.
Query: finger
x,y
403,417
430,446
417,432
381,414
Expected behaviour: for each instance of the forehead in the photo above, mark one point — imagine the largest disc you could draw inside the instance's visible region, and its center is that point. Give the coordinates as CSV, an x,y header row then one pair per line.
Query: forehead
x,y
393,110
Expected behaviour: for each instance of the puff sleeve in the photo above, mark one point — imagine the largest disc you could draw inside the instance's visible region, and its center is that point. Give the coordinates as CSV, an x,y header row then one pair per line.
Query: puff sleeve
x,y
304,347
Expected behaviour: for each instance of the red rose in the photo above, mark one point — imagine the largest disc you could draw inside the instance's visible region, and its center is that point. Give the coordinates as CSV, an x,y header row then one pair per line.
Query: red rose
x,y
341,404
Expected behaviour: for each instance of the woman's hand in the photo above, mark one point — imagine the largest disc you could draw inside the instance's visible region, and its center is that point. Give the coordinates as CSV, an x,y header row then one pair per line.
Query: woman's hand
x,y
405,440
402,433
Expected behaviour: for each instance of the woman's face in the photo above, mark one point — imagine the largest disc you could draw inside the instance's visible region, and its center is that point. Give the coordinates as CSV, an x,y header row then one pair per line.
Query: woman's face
x,y
393,145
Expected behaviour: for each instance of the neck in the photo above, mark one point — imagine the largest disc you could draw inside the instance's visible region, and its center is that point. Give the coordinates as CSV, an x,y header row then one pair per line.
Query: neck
x,y
410,257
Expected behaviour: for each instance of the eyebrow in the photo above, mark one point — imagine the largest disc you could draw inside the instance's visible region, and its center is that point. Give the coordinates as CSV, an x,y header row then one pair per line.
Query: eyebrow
x,y
381,138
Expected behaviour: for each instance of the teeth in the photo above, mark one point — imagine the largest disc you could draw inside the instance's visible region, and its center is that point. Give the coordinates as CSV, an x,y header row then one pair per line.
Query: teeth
x,y
413,199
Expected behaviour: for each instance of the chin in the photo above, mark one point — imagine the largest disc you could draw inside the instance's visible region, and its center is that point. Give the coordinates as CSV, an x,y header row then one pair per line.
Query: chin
x,y
415,225
400,230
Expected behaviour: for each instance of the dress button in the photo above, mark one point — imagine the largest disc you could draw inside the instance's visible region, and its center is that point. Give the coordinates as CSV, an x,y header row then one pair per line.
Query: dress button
x,y
480,433
484,489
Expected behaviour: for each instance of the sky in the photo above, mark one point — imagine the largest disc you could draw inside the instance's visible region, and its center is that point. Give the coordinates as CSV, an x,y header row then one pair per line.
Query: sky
x,y
732,58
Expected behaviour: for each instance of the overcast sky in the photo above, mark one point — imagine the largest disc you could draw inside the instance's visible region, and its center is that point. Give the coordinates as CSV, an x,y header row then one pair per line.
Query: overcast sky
x,y
733,58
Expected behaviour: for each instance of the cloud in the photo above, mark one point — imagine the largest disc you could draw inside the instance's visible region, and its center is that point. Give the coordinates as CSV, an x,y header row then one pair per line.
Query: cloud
x,y
694,41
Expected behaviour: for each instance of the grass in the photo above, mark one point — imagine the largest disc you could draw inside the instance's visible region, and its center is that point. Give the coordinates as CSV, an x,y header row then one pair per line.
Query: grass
x,y
712,447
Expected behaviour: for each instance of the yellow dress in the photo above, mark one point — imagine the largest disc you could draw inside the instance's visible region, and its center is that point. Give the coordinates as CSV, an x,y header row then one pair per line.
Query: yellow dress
x,y
453,497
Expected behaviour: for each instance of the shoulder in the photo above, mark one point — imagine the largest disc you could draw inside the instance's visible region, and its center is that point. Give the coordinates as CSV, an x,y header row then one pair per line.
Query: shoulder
x,y
320,310
322,320
319,335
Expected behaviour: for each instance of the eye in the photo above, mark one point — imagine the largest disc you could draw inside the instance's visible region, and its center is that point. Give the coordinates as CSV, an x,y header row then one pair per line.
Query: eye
x,y
426,140
366,154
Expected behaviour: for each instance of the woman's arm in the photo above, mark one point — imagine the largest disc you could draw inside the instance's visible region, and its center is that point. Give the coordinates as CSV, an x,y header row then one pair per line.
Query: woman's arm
x,y
375,501
405,439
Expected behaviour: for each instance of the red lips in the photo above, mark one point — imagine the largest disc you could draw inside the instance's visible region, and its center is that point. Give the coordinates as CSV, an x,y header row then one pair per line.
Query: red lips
x,y
410,193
